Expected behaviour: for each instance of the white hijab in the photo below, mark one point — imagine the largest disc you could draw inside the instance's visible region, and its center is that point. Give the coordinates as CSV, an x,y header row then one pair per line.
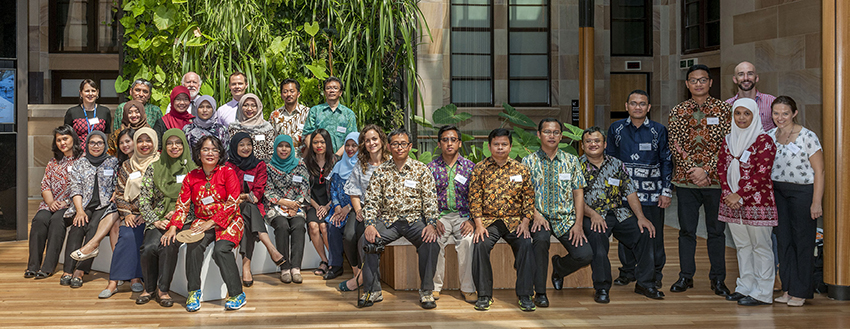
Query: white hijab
x,y
740,139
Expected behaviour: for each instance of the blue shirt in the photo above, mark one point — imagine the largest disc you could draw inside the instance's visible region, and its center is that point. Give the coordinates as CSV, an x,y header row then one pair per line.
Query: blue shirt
x,y
645,152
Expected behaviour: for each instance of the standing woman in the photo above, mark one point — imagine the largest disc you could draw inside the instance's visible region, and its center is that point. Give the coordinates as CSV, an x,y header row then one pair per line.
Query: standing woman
x,y
204,124
180,116
249,119
747,204
319,162
251,172
798,180
341,203
286,192
134,117
88,116
372,151
92,185
211,191
48,225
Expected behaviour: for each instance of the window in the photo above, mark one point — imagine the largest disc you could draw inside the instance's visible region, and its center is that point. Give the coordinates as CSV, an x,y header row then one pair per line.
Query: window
x,y
701,22
66,86
472,52
631,28
528,52
84,26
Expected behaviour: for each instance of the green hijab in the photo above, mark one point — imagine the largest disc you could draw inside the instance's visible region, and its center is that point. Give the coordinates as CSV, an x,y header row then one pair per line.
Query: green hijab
x,y
288,164
166,170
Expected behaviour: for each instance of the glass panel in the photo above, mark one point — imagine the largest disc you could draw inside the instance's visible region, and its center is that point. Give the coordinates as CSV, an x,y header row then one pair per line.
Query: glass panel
x,y
529,91
692,11
528,16
528,42
7,95
471,42
107,88
628,9
471,16
477,92
8,36
8,208
471,2
528,66
712,31
71,87
471,66
107,26
713,7
71,25
693,38
528,2
628,38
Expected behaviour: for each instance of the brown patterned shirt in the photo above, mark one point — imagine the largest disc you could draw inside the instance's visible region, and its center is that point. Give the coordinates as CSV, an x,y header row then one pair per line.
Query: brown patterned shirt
x,y
290,124
407,194
696,133
501,193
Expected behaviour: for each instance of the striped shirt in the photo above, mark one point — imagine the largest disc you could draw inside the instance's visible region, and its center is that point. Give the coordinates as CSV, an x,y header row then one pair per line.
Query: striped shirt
x,y
763,101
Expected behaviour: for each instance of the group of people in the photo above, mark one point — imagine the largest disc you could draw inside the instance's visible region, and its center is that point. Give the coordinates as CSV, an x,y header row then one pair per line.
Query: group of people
x,y
205,176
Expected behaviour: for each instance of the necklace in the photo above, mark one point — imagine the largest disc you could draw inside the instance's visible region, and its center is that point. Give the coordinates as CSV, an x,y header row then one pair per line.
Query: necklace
x,y
788,136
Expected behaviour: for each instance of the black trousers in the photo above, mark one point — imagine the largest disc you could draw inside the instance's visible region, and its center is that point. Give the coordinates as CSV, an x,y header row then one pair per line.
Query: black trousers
x,y
795,235
428,253
351,234
76,237
655,215
289,239
628,233
254,225
482,269
575,259
223,257
690,200
158,261
48,230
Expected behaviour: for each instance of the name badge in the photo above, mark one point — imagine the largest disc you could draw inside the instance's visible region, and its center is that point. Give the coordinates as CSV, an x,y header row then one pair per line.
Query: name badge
x,y
712,120
297,179
134,175
341,129
249,178
613,181
260,138
745,157
516,178
565,176
645,147
300,126
94,121
793,148
207,200
410,183
108,172
180,178
460,179
70,168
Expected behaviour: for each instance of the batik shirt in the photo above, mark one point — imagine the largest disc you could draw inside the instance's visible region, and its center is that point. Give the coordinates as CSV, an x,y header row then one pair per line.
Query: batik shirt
x,y
452,181
645,152
607,187
127,207
294,186
56,181
696,133
194,133
213,198
82,180
501,193
407,194
758,207
291,124
339,123
554,181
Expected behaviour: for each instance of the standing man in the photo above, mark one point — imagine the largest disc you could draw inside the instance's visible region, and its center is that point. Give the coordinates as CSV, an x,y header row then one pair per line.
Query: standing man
x,y
558,187
697,128
289,119
140,90
400,202
451,174
334,117
191,81
501,201
641,144
226,114
746,79
608,186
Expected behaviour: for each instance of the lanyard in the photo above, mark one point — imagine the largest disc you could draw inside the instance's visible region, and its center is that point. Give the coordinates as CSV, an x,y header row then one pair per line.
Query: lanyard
x,y
88,124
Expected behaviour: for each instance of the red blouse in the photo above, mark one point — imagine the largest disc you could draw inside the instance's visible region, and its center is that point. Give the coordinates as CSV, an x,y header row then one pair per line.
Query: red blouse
x,y
755,186
214,198
256,180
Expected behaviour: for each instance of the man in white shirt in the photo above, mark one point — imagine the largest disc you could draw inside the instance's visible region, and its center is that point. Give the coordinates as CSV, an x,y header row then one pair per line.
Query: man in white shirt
x,y
226,114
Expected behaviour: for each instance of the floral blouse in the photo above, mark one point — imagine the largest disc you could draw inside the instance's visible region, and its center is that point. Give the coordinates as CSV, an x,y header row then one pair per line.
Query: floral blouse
x,y
124,207
82,183
263,136
56,181
212,198
294,186
194,133
152,202
755,186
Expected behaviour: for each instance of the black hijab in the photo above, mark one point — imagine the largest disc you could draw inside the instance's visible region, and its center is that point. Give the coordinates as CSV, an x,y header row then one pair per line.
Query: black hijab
x,y
242,163
96,160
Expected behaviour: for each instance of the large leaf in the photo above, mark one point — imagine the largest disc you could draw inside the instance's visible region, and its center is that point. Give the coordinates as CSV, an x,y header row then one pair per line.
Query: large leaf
x,y
422,121
206,89
138,9
121,85
311,29
318,71
159,76
448,115
163,17
466,138
572,132
568,148
515,118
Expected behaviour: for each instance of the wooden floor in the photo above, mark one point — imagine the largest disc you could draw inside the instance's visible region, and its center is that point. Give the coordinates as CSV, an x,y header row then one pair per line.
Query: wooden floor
x,y
317,304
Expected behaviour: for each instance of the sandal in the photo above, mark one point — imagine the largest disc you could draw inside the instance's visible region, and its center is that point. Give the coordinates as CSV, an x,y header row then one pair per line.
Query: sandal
x,y
280,261
321,271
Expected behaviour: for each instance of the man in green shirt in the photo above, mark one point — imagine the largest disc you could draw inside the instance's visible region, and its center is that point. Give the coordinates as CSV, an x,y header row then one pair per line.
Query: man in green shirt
x,y
140,90
332,116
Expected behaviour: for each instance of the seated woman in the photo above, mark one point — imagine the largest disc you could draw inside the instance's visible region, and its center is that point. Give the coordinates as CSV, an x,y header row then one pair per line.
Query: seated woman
x,y
319,163
249,119
204,123
92,184
160,190
286,192
180,116
48,225
134,118
251,172
341,203
212,192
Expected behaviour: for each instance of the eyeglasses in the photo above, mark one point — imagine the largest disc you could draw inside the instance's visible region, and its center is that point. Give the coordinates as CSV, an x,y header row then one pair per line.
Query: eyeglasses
x,y
593,141
95,143
551,132
701,81
210,151
449,139
641,104
399,145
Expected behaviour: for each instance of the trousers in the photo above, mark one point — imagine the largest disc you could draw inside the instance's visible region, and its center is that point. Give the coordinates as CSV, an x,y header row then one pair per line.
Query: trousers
x,y
655,215
428,253
756,273
482,269
629,234
158,261
47,235
289,239
795,237
690,200
77,236
223,257
463,246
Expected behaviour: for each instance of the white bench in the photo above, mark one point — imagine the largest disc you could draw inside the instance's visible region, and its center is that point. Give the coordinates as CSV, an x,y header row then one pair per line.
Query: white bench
x,y
103,260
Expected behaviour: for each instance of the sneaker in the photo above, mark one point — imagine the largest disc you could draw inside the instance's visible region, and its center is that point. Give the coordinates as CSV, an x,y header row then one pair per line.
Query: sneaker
x,y
469,297
483,303
193,303
235,303
426,299
436,295
369,299
526,304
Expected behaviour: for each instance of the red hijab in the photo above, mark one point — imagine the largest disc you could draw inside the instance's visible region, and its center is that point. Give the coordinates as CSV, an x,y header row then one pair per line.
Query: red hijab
x,y
174,118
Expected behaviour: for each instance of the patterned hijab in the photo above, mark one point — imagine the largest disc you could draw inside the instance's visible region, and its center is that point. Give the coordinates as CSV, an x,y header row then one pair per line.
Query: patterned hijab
x,y
174,118
740,139
344,166
125,121
139,163
288,164
206,124
166,169
96,160
246,163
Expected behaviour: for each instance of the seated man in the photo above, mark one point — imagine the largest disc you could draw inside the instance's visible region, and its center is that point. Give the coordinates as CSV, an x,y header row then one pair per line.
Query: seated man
x,y
400,202
608,186
501,202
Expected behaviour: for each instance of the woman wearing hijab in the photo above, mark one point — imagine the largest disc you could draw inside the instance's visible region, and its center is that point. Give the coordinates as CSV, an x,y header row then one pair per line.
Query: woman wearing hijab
x,y
134,118
180,115
204,123
286,191
341,203
748,204
249,119
252,173
160,190
92,185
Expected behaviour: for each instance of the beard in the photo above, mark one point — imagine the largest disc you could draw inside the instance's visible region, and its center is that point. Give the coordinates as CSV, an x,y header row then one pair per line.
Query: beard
x,y
741,85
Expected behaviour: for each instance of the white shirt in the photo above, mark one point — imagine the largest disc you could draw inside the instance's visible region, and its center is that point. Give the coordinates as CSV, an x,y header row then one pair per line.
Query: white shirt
x,y
791,164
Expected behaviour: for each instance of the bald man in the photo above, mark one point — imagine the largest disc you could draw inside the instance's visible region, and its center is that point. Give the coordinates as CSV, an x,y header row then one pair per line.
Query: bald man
x,y
746,79
191,81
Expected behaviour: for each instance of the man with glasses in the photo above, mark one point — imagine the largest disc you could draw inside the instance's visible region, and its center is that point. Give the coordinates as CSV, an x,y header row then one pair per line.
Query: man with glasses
x,y
558,187
334,117
746,79
697,128
451,174
400,202
226,114
140,90
641,144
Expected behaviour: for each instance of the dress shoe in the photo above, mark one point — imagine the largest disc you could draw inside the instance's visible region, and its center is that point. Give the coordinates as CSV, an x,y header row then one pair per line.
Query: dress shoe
x,y
541,300
657,284
719,288
649,292
143,300
796,302
469,297
332,273
682,285
781,299
622,281
41,275
557,279
165,302
76,282
65,280
750,301
601,296
285,277
297,278
247,283
526,304
735,297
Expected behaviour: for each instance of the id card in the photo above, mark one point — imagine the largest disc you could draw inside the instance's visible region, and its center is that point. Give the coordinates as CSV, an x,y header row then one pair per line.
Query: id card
x,y
260,138
516,178
410,183
341,129
460,179
180,178
745,157
645,146
108,172
712,120
793,148
249,178
565,176
94,121
134,175
207,200
613,181
297,179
